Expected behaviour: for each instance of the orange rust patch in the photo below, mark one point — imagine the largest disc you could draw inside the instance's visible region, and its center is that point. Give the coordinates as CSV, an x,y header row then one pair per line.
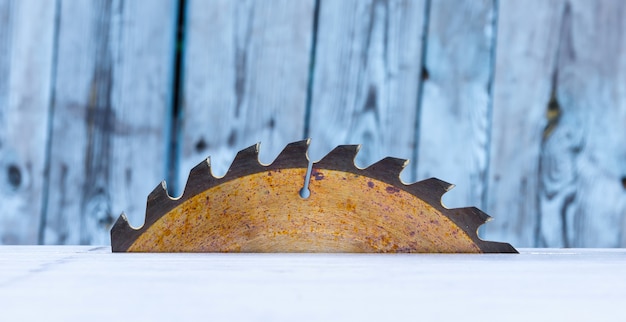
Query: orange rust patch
x,y
263,212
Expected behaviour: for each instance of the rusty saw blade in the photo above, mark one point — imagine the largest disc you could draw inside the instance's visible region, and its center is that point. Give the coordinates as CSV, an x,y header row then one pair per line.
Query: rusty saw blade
x,y
258,208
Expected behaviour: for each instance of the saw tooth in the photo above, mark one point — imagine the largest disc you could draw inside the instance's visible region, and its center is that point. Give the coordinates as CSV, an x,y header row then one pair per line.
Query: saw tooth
x,y
340,158
120,232
469,217
430,190
159,202
496,247
477,213
387,170
437,184
294,155
200,178
246,162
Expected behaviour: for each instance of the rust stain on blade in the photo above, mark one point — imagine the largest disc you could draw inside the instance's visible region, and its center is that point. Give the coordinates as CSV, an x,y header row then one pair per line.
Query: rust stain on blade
x,y
263,212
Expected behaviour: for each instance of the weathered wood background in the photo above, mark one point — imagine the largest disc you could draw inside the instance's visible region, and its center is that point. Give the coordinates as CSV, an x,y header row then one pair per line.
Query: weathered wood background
x,y
520,103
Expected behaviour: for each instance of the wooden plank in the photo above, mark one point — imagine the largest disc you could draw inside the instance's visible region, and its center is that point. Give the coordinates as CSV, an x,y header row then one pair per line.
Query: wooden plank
x,y
26,51
583,162
528,38
71,283
245,79
455,108
111,109
366,78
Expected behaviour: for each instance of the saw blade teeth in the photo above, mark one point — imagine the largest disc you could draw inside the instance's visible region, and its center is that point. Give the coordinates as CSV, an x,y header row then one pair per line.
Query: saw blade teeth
x,y
294,155
158,199
122,220
478,213
388,170
246,162
469,217
430,190
438,184
120,229
200,178
434,184
340,158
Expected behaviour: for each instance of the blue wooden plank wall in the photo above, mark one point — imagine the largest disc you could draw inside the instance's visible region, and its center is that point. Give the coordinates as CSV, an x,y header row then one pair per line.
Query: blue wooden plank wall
x,y
520,103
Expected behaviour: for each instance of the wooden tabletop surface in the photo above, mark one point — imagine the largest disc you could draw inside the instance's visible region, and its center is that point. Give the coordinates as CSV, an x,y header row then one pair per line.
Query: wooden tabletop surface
x,y
86,283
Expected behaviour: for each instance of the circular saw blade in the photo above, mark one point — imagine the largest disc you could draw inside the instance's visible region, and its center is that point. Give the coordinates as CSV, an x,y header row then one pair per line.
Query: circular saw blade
x,y
258,208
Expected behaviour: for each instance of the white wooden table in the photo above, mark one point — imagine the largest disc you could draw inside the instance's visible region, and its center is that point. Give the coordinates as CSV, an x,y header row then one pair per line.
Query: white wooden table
x,y
82,283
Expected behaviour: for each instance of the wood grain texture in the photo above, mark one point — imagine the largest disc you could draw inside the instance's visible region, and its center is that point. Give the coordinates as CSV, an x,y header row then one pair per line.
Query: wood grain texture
x,y
583,162
538,142
245,79
455,107
111,109
26,51
528,38
366,78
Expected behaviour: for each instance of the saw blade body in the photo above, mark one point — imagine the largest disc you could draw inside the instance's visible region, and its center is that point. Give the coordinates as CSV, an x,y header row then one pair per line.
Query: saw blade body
x,y
258,208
